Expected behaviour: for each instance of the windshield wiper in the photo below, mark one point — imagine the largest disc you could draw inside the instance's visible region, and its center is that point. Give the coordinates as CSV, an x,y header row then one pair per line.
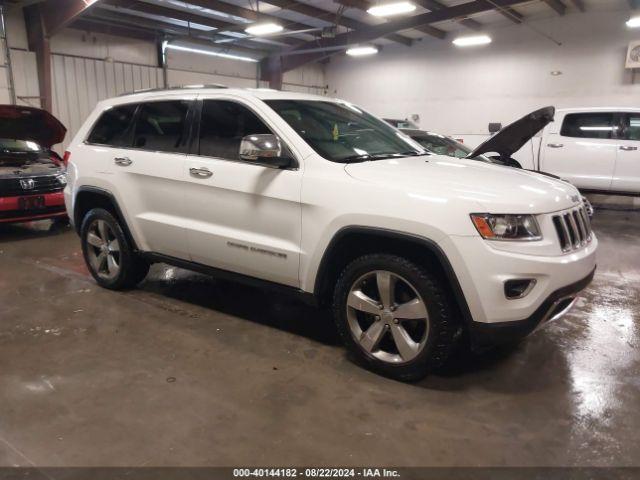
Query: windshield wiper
x,y
380,156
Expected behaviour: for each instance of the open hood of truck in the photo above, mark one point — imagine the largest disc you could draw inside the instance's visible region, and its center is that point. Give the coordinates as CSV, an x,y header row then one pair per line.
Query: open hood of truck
x,y
28,123
512,137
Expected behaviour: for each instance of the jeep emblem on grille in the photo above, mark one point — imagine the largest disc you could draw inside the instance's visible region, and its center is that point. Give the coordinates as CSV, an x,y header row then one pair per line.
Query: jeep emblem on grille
x,y
575,198
27,184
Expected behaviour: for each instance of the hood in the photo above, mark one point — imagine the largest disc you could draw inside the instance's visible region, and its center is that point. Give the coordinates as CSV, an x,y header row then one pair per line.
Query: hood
x,y
512,137
493,188
28,123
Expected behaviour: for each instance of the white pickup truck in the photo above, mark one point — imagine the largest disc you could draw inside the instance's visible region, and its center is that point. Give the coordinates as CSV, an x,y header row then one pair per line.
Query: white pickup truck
x,y
596,149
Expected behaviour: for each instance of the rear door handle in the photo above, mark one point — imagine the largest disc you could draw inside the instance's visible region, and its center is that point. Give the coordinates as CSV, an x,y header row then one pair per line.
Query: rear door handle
x,y
628,148
555,145
200,172
122,161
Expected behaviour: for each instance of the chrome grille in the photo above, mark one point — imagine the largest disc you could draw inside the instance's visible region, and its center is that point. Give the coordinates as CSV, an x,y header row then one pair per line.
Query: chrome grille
x,y
44,184
573,228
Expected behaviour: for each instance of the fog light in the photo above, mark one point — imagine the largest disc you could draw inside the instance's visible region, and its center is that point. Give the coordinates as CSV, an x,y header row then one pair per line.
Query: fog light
x,y
514,289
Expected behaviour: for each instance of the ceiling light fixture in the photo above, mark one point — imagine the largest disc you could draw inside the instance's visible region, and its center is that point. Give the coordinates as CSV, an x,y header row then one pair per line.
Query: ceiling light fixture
x,y
634,22
230,56
362,50
471,41
389,9
263,29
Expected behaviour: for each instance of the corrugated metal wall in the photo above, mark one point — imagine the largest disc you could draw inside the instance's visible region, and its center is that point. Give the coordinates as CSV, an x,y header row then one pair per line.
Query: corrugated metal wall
x,y
79,83
25,77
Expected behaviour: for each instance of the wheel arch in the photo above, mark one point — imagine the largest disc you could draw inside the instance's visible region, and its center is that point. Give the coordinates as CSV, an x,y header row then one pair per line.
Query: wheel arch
x,y
352,242
88,198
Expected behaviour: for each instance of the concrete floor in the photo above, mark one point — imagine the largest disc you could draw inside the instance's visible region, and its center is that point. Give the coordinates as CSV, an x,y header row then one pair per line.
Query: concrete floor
x,y
190,371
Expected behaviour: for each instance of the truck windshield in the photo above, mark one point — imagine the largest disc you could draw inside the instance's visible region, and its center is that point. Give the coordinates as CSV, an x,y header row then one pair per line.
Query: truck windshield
x,y
441,145
343,133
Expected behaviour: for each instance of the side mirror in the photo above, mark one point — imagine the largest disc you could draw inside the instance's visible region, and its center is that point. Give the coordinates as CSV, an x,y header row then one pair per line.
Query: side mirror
x,y
265,149
495,127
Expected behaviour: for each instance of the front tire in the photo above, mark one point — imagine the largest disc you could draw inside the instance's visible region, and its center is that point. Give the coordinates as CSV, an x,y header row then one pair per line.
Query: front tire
x,y
108,254
394,316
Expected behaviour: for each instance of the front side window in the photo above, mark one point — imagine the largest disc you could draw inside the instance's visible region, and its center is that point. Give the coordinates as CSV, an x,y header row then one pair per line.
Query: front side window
x,y
343,133
112,126
223,124
161,126
632,127
589,125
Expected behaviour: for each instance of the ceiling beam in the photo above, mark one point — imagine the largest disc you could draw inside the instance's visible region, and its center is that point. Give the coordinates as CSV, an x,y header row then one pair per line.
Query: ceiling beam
x,y
90,25
437,5
509,13
57,14
365,5
329,17
248,14
172,13
291,60
557,5
162,11
162,29
579,4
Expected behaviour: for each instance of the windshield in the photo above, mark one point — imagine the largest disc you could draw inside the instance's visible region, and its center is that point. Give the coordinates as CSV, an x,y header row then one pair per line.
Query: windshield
x,y
343,133
18,146
441,145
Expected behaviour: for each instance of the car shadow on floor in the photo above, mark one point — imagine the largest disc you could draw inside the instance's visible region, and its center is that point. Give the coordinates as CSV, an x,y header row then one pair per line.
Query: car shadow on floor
x,y
288,314
249,303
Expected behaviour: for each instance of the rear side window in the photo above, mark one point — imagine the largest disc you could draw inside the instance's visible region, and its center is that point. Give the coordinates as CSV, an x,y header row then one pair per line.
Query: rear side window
x,y
589,125
632,126
112,126
162,126
222,126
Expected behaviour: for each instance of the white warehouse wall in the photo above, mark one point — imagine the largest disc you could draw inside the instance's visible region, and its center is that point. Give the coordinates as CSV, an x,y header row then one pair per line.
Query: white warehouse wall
x,y
459,91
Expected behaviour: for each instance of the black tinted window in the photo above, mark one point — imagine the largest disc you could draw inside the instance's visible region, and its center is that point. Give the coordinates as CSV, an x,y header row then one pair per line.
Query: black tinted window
x,y
632,127
222,126
161,126
589,125
112,127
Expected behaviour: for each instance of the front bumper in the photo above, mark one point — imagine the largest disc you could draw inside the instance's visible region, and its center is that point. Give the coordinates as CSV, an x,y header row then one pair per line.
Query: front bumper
x,y
485,335
482,270
52,207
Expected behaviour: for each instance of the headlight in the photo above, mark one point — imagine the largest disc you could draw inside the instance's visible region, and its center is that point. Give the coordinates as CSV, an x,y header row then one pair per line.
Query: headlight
x,y
506,227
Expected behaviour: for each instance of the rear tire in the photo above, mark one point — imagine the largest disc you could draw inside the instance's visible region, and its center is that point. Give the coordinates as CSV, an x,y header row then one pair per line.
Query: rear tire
x,y
403,334
109,256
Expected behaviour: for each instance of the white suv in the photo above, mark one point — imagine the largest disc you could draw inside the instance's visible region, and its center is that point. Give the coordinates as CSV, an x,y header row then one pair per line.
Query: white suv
x,y
316,197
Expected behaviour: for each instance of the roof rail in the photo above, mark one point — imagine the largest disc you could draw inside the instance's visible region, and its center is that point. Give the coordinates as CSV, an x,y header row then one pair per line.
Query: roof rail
x,y
176,87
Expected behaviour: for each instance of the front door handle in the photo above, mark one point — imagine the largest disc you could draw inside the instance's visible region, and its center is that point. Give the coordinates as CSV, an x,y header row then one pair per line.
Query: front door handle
x,y
555,145
200,172
122,161
628,148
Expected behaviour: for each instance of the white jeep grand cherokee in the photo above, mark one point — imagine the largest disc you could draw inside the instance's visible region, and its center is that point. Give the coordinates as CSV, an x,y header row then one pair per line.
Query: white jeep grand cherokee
x,y
315,196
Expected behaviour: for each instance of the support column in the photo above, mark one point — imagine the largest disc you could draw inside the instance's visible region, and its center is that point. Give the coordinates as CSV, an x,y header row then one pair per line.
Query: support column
x,y
271,71
39,43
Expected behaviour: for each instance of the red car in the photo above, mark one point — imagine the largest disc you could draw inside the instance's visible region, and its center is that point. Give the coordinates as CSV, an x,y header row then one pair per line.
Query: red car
x,y
32,176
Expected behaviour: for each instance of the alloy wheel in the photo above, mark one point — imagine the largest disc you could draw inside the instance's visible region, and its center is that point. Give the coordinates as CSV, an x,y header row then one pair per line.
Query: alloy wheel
x,y
103,250
387,317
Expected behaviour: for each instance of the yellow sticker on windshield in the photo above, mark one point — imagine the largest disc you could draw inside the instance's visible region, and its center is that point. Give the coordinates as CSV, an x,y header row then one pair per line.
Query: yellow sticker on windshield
x,y
335,132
